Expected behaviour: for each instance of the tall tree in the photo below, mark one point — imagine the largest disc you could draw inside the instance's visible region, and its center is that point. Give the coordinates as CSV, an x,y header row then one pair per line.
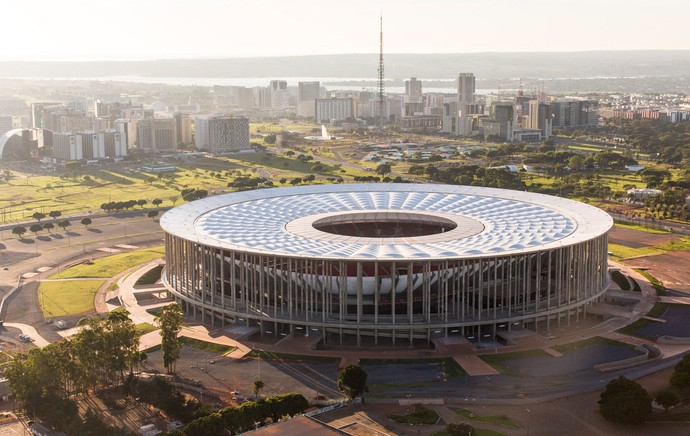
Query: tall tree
x,y
64,224
36,228
86,222
19,231
38,216
352,381
625,401
258,385
169,319
54,214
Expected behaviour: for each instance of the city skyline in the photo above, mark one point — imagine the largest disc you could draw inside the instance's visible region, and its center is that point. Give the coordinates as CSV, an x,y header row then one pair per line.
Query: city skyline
x,y
78,30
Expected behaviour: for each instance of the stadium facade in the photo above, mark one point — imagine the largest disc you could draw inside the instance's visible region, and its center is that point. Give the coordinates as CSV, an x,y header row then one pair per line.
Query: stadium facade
x,y
375,264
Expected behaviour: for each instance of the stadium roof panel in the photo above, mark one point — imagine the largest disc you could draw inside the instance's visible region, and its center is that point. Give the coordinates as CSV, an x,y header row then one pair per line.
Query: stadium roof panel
x,y
489,221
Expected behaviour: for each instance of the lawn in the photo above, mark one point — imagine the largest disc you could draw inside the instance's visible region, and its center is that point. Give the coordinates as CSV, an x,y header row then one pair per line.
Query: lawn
x,y
69,297
151,276
500,420
498,360
207,346
564,348
420,416
110,266
450,367
144,328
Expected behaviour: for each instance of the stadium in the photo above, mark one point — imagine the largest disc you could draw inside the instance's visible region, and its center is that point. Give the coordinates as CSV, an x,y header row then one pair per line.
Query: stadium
x,y
385,264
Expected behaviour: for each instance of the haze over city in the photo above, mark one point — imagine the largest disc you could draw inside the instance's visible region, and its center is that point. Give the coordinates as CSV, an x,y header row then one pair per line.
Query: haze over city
x,y
155,29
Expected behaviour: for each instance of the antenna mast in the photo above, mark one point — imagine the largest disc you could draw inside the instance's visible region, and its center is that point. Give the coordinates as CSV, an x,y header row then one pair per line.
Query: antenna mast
x,y
381,126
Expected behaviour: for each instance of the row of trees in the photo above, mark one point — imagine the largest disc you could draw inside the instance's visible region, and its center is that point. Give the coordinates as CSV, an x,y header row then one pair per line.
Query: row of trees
x,y
235,420
35,228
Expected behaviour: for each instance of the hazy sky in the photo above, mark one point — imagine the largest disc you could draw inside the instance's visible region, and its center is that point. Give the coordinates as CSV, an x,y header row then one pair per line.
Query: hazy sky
x,y
141,29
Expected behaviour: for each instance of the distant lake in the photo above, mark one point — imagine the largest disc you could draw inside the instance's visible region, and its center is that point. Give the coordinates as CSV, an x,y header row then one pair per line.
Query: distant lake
x,y
331,83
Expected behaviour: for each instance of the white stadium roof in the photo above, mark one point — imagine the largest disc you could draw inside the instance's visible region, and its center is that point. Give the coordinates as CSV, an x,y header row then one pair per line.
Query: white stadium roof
x,y
490,222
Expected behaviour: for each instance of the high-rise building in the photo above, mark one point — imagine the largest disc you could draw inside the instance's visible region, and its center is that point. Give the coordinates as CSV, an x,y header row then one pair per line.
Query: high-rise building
x,y
156,134
572,113
413,90
222,134
466,88
539,117
503,113
280,97
114,143
92,144
307,93
67,146
183,129
333,109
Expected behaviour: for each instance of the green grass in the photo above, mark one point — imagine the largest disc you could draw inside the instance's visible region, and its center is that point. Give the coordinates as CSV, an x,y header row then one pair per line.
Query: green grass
x,y
450,367
110,266
145,327
658,286
656,312
623,252
207,346
65,298
499,420
498,360
151,276
269,355
597,340
419,416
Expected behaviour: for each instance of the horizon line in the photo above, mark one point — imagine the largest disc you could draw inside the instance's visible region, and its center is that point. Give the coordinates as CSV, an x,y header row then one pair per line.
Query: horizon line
x,y
223,57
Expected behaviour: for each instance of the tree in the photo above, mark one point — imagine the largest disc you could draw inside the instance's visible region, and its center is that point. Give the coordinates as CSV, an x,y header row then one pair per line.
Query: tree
x,y
141,202
86,222
54,214
667,398
19,231
152,213
174,199
576,162
258,385
36,228
383,169
64,224
352,381
38,216
156,202
681,376
625,401
49,226
270,139
169,319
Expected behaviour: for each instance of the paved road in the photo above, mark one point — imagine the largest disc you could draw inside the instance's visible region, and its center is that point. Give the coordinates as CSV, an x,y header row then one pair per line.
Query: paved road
x,y
30,331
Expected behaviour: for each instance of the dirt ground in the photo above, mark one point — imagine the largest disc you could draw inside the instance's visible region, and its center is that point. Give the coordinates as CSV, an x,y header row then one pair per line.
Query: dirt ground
x,y
672,268
637,238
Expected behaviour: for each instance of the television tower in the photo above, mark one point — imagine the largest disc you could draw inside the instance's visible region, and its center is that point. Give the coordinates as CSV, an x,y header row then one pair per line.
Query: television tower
x,y
381,105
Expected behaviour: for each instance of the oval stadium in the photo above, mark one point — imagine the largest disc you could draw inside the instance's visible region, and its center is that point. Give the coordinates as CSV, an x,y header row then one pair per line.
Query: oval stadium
x,y
385,264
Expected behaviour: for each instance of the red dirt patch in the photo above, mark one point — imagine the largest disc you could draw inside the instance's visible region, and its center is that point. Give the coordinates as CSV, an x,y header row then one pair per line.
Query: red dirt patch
x,y
670,268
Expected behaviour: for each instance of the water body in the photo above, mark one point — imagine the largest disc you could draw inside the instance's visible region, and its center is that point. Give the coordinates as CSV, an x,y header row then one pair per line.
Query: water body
x,y
331,83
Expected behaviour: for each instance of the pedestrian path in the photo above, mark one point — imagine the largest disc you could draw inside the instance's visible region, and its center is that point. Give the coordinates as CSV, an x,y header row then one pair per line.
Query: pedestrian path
x,y
474,365
30,331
